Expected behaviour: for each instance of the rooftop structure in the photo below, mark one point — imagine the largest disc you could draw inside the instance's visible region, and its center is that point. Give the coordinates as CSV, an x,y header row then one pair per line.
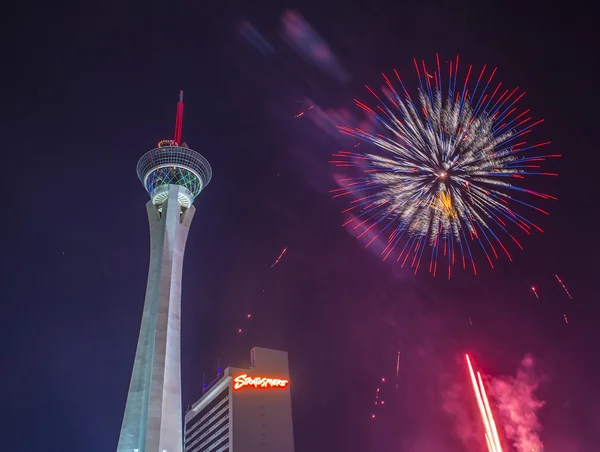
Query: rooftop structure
x,y
245,410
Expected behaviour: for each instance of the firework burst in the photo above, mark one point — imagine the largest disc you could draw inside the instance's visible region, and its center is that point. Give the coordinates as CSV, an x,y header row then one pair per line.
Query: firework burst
x,y
446,175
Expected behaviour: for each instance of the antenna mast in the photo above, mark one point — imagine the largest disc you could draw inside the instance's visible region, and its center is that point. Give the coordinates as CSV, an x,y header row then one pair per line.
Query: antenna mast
x,y
179,120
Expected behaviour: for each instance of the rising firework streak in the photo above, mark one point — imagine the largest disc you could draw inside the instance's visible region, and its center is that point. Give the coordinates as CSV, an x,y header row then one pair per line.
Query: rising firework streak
x,y
449,174
564,287
280,256
303,112
491,433
397,370
533,289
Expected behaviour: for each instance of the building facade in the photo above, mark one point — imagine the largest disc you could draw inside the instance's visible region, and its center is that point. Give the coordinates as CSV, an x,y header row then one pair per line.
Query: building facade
x,y
246,410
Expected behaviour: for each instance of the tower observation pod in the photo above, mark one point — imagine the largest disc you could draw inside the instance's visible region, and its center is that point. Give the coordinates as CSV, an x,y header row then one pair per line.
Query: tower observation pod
x,y
173,175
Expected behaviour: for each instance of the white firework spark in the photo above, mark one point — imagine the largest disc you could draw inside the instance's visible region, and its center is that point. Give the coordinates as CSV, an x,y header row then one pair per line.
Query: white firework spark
x,y
444,174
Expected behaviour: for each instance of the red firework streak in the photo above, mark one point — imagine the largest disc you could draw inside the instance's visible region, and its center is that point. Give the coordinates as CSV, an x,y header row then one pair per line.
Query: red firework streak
x,y
564,287
491,433
279,258
397,370
533,289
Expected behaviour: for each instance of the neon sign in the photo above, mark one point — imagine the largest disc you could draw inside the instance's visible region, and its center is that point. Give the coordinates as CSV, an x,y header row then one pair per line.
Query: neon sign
x,y
163,143
258,382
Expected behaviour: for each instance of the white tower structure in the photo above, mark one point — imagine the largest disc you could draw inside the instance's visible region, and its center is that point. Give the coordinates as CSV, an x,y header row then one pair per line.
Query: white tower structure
x,y
173,176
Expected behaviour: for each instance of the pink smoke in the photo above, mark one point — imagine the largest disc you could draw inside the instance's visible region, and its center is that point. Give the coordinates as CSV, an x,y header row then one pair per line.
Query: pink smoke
x,y
302,37
454,404
517,406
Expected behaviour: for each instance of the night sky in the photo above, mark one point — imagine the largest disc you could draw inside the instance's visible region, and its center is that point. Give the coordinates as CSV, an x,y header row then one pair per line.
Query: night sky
x,y
91,86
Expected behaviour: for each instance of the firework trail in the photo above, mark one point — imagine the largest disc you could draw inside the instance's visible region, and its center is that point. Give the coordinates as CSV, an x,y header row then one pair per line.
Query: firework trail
x,y
397,370
303,38
534,290
248,316
305,111
491,433
376,400
279,258
564,287
447,174
248,31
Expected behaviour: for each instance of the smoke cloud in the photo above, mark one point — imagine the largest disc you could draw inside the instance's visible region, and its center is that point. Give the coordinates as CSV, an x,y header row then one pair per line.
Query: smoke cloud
x,y
517,406
301,36
454,404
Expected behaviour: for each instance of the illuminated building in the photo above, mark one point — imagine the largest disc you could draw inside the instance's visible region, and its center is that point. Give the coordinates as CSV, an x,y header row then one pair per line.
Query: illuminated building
x,y
173,175
245,410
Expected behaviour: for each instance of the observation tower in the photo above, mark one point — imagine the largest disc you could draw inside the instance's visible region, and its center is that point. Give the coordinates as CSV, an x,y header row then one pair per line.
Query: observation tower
x,y
173,175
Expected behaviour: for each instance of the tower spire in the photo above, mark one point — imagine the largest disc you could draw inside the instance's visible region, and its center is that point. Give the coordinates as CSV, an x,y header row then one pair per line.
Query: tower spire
x,y
179,119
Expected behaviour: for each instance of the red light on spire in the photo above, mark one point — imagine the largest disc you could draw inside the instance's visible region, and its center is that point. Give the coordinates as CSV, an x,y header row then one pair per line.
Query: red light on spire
x,y
179,119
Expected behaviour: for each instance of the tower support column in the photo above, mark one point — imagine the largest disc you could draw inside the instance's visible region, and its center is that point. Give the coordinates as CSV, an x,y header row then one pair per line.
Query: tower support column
x,y
153,413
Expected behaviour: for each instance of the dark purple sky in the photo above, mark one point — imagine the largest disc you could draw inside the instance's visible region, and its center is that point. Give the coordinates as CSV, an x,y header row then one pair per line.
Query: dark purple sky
x,y
90,87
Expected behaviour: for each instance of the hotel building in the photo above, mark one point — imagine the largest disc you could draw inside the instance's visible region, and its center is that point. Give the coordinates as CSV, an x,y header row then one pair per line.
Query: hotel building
x,y
246,410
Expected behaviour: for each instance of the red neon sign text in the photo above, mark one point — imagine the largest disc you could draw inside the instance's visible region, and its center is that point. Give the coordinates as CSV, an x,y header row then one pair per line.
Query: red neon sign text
x,y
258,382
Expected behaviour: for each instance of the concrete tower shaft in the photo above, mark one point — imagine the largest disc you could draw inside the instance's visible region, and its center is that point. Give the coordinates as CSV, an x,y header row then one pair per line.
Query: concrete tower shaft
x,y
173,175
152,421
